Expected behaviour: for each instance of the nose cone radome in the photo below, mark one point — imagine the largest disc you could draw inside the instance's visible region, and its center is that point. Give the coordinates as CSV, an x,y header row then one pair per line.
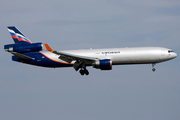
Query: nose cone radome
x,y
174,55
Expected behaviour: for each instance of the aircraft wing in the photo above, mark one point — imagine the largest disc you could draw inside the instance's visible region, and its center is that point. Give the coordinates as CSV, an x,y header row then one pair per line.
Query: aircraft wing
x,y
70,57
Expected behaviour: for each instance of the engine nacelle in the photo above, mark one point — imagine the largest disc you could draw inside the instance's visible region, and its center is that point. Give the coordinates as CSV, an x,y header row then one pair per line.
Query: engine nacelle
x,y
105,64
24,48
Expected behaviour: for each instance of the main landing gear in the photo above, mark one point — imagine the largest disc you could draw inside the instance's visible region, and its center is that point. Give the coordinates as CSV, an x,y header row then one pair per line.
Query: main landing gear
x,y
81,65
84,71
153,68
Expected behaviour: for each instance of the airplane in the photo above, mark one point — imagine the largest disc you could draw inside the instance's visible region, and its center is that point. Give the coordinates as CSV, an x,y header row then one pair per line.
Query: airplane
x,y
25,51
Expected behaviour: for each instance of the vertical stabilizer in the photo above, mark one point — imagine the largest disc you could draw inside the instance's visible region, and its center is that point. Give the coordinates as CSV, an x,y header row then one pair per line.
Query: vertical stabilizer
x,y
17,36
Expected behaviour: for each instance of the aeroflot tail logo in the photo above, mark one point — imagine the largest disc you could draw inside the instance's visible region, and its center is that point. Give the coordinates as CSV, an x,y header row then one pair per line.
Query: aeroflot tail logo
x,y
112,52
18,36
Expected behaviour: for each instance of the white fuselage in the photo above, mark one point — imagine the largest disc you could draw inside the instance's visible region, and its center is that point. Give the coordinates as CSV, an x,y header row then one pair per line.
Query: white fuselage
x,y
136,55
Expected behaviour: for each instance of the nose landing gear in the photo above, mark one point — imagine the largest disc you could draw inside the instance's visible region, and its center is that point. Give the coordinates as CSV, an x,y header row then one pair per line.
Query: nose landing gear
x,y
153,68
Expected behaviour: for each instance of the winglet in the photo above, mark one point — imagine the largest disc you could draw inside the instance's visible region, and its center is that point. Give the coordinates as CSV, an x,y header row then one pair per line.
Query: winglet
x,y
48,48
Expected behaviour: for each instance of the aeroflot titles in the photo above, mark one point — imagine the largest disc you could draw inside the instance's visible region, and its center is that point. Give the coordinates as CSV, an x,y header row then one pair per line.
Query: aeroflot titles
x,y
115,52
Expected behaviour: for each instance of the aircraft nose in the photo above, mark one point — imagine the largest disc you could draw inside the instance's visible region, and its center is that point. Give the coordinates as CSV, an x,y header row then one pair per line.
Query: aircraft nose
x,y
174,55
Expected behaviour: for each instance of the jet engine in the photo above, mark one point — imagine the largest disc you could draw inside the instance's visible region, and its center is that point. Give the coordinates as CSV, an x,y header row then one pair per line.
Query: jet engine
x,y
19,48
105,64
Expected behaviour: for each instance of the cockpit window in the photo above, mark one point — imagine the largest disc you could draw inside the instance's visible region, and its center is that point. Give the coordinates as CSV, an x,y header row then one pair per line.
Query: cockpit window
x,y
169,51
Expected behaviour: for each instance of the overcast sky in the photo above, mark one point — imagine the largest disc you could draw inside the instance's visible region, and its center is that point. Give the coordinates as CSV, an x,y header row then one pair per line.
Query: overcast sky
x,y
131,92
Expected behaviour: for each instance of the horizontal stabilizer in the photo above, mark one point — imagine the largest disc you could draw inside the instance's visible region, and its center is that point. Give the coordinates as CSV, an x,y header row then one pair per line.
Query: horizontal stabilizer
x,y
22,57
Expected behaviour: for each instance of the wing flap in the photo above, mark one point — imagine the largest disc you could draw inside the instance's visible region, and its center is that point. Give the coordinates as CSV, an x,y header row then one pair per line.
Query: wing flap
x,y
64,58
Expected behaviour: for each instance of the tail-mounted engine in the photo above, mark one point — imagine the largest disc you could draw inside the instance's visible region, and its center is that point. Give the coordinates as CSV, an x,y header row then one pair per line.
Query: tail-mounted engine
x,y
24,48
105,64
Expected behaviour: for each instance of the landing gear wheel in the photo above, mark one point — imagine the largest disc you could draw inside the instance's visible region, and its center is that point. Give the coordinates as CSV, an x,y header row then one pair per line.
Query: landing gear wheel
x,y
81,72
86,72
153,69
82,67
